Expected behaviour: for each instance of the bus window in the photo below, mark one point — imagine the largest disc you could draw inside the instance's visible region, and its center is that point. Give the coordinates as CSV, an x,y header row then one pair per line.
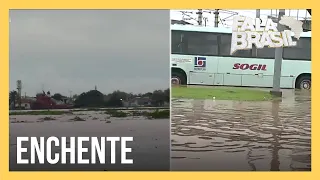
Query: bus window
x,y
300,52
225,46
177,42
243,53
205,44
266,53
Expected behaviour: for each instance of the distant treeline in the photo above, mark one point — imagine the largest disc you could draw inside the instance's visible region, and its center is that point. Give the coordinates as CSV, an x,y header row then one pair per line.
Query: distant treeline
x,y
95,98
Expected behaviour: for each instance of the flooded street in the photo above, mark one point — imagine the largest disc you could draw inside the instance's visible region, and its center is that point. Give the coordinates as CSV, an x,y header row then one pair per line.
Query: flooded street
x,y
149,149
241,136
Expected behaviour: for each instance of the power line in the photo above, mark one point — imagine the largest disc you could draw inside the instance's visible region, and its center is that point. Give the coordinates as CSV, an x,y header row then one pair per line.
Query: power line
x,y
218,19
207,17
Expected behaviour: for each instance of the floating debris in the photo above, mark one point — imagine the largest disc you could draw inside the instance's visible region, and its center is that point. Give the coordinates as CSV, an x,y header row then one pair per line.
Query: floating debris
x,y
47,118
18,121
77,118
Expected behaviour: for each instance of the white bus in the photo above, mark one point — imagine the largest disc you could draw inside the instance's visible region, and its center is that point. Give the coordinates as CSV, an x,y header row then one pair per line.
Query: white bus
x,y
201,56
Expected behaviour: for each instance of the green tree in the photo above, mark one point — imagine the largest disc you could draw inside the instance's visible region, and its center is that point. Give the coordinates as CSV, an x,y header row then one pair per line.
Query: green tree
x,y
13,95
93,98
58,97
116,99
166,95
148,94
158,98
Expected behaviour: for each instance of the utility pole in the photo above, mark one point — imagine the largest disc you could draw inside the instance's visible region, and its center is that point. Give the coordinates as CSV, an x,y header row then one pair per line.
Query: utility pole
x,y
216,18
19,88
254,51
200,17
278,62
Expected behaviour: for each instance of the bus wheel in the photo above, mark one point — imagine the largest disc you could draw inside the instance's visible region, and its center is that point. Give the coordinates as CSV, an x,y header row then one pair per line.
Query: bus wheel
x,y
177,79
304,83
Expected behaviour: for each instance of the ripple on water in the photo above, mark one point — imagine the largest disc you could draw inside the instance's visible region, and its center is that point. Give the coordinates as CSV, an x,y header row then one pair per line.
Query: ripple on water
x,y
227,135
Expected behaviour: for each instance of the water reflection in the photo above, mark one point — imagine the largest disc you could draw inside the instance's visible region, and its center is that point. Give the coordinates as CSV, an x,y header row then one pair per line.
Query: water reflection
x,y
275,163
226,135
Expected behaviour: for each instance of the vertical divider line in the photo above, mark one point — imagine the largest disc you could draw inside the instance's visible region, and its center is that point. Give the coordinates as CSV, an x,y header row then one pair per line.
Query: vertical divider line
x,y
170,91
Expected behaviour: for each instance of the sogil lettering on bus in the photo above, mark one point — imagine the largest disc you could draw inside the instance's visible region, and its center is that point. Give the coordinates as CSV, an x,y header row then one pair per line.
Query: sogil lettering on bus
x,y
258,67
200,63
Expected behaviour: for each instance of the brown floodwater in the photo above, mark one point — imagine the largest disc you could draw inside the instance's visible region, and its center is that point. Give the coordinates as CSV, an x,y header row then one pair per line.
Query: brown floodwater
x,y
150,149
221,135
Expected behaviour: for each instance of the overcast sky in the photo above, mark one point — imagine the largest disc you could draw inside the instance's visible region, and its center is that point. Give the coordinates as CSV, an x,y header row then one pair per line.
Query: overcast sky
x,y
74,50
225,16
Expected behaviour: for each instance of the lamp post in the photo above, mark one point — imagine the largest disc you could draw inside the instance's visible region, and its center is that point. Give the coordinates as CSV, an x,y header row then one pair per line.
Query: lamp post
x,y
278,62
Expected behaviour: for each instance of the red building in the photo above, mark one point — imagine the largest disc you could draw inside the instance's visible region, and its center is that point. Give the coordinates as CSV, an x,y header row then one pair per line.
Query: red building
x,y
44,101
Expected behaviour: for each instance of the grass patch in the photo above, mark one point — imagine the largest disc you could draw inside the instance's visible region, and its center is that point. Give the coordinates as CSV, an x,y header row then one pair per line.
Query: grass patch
x,y
139,113
158,114
221,93
119,109
93,109
40,113
87,109
115,113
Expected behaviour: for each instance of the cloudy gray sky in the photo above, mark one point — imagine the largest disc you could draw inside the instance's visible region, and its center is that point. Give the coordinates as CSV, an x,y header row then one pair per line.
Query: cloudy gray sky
x,y
74,50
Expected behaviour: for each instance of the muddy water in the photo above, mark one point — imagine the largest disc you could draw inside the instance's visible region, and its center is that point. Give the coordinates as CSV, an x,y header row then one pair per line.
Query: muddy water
x,y
254,136
149,149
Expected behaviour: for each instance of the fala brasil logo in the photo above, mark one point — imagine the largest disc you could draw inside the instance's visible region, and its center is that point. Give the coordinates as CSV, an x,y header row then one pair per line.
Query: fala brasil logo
x,y
247,31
